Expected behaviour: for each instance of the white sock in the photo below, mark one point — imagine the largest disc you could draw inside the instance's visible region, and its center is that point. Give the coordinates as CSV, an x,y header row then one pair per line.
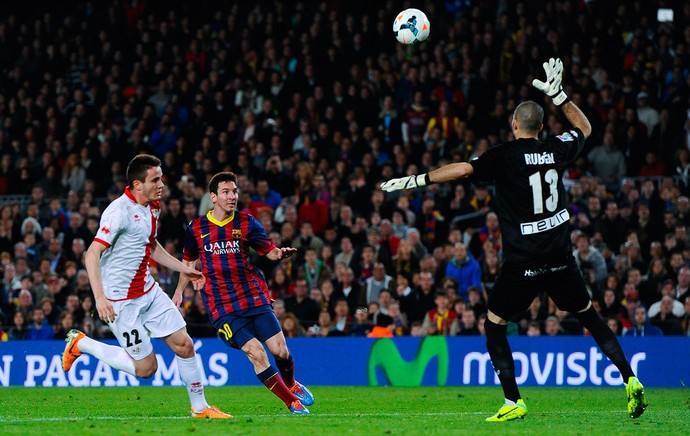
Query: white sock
x,y
191,376
114,356
509,402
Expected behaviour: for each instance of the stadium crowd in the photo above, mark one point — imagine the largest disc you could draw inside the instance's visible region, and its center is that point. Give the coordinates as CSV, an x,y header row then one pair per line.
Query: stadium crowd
x,y
313,104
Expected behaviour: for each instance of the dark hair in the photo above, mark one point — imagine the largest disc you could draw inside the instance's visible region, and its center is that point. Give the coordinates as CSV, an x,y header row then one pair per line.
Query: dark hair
x,y
530,116
137,168
218,178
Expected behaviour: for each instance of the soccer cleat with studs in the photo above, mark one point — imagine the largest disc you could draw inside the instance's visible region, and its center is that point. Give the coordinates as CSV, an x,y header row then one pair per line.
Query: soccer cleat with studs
x,y
211,412
509,412
302,393
637,402
71,349
297,408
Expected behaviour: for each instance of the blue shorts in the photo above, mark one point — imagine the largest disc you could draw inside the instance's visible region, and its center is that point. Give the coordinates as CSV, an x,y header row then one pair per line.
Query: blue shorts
x,y
237,328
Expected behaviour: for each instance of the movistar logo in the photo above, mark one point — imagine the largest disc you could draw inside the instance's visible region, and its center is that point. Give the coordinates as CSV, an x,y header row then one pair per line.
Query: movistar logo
x,y
399,372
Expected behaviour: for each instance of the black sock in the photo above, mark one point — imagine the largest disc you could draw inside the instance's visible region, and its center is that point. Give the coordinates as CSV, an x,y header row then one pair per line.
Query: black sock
x,y
606,340
502,358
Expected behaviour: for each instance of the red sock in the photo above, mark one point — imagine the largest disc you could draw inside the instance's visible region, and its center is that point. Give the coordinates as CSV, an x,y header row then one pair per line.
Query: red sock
x,y
272,380
287,370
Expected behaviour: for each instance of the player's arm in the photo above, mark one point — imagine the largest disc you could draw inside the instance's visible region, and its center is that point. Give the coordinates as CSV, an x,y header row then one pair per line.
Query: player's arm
x,y
92,262
444,174
263,244
553,88
166,259
577,118
182,283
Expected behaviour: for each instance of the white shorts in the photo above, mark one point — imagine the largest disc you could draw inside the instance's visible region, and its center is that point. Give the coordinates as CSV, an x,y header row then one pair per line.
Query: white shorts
x,y
153,315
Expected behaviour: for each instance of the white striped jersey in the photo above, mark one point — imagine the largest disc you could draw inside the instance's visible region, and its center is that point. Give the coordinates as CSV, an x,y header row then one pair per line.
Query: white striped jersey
x,y
129,231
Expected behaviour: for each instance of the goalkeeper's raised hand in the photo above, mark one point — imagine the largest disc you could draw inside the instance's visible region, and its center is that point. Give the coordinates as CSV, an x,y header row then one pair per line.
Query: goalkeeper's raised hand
x,y
407,182
552,87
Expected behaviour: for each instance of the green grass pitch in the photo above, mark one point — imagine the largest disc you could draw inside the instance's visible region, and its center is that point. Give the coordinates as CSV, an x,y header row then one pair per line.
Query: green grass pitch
x,y
338,410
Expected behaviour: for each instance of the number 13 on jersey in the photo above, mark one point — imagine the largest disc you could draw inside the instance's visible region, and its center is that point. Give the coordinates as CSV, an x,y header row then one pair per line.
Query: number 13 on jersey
x,y
551,177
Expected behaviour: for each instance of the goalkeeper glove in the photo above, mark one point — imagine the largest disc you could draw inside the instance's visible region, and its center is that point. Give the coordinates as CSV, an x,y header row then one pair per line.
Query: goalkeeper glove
x,y
407,182
552,87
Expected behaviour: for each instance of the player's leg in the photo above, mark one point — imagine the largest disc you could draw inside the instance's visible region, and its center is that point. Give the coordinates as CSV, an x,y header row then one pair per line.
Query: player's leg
x,y
278,347
268,375
506,300
126,328
248,335
572,296
163,320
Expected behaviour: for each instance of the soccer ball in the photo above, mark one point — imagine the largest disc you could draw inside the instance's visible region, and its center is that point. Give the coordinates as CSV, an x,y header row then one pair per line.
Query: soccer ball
x,y
411,26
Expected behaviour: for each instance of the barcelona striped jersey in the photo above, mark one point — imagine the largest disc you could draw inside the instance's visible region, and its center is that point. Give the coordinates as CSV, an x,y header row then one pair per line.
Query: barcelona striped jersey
x,y
232,282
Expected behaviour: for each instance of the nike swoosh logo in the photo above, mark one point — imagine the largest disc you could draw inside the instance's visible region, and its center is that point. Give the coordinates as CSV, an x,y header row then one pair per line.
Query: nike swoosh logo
x,y
203,236
499,416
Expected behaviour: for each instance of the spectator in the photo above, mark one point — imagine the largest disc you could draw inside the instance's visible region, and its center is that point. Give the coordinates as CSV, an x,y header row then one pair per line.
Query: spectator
x,y
291,326
304,308
416,303
315,270
65,324
363,325
346,254
533,329
464,269
441,320
641,325
647,114
39,328
591,262
378,281
468,323
667,290
279,309
665,319
343,322
25,303
19,330
552,326
608,162
279,285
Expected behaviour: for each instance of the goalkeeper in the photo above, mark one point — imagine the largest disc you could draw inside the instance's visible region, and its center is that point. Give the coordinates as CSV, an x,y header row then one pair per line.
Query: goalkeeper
x,y
537,250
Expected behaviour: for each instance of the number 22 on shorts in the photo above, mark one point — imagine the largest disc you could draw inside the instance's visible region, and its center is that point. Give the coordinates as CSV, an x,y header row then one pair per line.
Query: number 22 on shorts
x,y
225,331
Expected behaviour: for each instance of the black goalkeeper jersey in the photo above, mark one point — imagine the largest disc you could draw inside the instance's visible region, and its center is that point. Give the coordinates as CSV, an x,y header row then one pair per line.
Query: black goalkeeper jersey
x,y
531,198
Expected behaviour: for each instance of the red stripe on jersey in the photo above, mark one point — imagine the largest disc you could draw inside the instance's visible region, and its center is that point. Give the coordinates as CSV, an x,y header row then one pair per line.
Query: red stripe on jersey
x,y
128,298
101,241
136,286
212,301
244,260
252,279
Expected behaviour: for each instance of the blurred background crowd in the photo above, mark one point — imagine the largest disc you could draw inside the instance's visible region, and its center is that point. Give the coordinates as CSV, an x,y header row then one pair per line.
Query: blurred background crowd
x,y
313,104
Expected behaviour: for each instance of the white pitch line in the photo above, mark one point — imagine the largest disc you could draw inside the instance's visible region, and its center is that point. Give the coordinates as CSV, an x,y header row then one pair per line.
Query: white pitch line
x,y
314,415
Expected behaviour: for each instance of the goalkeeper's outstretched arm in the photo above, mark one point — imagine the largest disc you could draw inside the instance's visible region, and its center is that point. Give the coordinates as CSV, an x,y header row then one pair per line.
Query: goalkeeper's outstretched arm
x,y
444,174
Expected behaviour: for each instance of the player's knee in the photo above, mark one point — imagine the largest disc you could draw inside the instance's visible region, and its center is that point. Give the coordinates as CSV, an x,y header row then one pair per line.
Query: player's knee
x,y
185,348
256,353
147,369
283,353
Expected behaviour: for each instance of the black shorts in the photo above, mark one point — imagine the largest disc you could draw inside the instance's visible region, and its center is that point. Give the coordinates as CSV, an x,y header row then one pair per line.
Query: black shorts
x,y
518,284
